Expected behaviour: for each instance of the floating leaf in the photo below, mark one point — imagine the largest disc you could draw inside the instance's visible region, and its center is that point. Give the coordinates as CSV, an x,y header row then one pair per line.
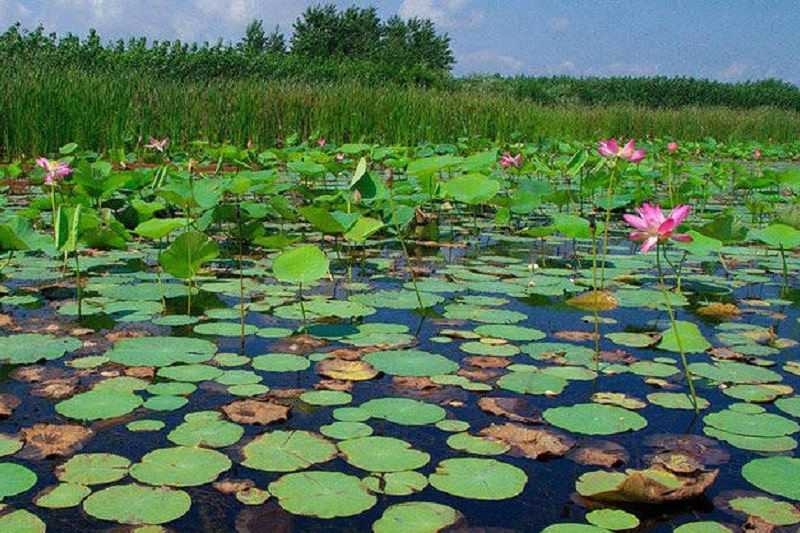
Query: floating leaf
x,y
15,479
734,372
21,520
286,451
322,494
479,479
769,510
27,348
530,442
137,504
180,466
62,496
48,440
99,405
410,363
211,433
382,454
594,419
93,469
613,519
404,411
161,351
420,517
776,475
256,412
691,338
326,397
303,264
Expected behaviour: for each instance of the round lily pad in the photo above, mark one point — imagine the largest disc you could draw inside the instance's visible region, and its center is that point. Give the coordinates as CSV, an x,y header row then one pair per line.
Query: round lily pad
x,y
180,466
171,388
210,433
420,517
346,430
510,332
675,400
161,351
322,494
594,419
15,479
406,299
771,511
238,377
494,350
165,403
9,445
703,526
532,382
734,372
99,405
326,397
753,443
93,469
286,451
137,504
27,348
478,479
225,329
382,454
410,363
280,362
404,411
790,406
191,373
477,445
613,519
776,475
22,520
62,496
145,425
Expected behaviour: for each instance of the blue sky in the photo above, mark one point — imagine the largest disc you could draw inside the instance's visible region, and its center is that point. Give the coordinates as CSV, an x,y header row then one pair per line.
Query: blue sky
x,y
726,40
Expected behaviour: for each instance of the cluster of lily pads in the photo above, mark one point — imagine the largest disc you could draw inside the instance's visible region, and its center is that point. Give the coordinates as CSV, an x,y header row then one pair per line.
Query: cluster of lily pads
x,y
414,336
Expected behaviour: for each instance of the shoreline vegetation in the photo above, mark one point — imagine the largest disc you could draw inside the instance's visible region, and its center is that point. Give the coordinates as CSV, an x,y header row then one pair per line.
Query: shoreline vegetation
x,y
393,87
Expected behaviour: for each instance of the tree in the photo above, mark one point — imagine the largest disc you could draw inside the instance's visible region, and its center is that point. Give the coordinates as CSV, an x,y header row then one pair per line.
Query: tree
x,y
254,41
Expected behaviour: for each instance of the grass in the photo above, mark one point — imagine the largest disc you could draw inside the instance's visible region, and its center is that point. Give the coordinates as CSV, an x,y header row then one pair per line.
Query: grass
x,y
42,110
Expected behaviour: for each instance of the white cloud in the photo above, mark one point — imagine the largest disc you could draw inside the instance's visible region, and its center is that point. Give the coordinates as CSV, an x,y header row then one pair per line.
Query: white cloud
x,y
443,13
734,71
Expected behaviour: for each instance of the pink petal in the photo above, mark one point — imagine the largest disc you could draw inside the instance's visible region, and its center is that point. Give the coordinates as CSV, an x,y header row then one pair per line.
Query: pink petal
x,y
636,156
678,214
635,221
648,244
666,227
682,237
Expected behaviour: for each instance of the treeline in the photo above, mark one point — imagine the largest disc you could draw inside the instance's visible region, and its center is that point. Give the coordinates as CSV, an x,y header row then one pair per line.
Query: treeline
x,y
326,45
653,93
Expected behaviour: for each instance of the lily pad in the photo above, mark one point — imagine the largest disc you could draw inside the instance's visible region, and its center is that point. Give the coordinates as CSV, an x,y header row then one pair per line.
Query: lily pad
x,y
161,351
322,494
15,479
93,469
137,504
401,483
287,451
410,363
210,433
404,411
594,419
771,511
27,348
613,519
776,475
420,517
62,496
478,479
21,520
99,405
180,466
382,454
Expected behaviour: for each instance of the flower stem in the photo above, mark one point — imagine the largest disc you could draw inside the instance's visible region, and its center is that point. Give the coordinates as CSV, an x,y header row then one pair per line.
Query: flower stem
x,y
605,229
675,328
403,246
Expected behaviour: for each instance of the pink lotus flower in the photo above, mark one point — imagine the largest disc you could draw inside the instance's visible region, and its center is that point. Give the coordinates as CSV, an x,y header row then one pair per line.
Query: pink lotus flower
x,y
654,228
507,161
158,145
672,147
757,154
321,142
340,157
54,169
610,148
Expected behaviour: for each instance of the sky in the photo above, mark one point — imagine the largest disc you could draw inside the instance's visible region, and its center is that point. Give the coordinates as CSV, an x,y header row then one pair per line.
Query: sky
x,y
724,40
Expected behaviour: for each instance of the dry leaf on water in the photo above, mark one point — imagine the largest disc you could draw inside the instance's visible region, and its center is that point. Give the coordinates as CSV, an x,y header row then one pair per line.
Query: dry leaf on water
x,y
530,442
600,453
48,440
256,412
516,409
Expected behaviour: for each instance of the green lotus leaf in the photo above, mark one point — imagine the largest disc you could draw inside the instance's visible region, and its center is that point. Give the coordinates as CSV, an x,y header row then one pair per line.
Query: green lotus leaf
x,y
187,253
136,504
338,308
482,314
93,469
756,425
209,433
753,443
287,451
510,332
322,494
171,388
280,362
477,445
145,425
532,382
238,377
327,397
191,373
420,517
594,419
790,406
27,348
351,414
165,403
15,479
703,526
471,189
734,372
676,400
225,329
613,519
382,454
99,405
121,384
692,340
478,479
62,496
161,351
410,363
573,528
180,466
304,264
22,520
494,350
405,299
342,430
771,511
404,411
776,475
9,445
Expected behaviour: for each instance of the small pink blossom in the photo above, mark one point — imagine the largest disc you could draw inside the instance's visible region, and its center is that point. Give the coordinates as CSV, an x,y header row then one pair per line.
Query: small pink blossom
x,y
55,169
340,157
322,142
757,154
672,147
506,160
158,145
654,228
610,148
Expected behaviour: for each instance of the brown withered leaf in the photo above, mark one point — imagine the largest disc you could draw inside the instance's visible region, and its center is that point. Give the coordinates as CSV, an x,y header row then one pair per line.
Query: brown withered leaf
x,y
515,409
677,462
414,383
344,369
284,394
656,485
8,402
232,486
757,524
530,442
37,373
298,344
591,300
55,389
352,354
48,440
334,384
482,375
576,336
704,450
481,361
600,453
719,311
618,356
140,371
726,354
6,320
256,412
